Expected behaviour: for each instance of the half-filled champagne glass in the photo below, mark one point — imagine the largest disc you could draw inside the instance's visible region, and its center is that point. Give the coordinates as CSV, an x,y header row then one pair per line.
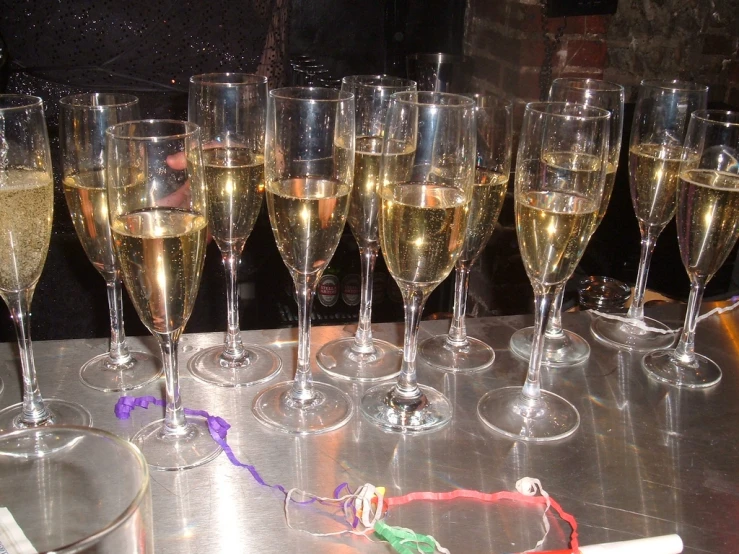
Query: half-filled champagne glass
x,y
423,224
309,168
563,347
707,230
560,175
661,119
26,212
157,202
230,109
83,120
456,351
362,357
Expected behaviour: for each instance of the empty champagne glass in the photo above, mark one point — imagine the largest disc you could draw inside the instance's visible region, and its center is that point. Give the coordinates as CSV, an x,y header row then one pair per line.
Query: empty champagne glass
x,y
309,166
560,174
423,223
362,357
707,229
661,119
157,202
83,120
26,212
230,109
563,347
455,351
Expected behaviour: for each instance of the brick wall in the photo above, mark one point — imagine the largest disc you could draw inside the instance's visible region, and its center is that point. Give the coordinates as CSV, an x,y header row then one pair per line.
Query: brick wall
x,y
517,50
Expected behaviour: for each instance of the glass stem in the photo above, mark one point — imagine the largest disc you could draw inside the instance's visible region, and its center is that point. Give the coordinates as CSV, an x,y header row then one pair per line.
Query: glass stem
x,y
543,300
305,286
458,329
363,337
174,414
34,410
406,389
119,353
648,240
233,347
554,327
685,349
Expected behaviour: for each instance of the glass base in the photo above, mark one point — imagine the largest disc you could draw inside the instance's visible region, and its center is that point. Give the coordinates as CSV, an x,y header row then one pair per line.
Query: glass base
x,y
701,373
101,374
429,413
62,413
339,359
439,353
622,335
258,366
329,409
507,412
567,350
167,452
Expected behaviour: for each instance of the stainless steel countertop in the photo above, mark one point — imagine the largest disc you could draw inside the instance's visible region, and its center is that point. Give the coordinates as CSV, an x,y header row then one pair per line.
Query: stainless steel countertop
x,y
647,460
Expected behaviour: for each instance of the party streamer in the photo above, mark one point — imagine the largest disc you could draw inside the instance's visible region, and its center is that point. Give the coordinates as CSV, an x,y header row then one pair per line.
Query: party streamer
x,y
645,327
364,509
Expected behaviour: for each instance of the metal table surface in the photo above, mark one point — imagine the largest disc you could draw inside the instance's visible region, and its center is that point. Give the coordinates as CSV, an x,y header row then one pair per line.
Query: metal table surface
x,y
647,460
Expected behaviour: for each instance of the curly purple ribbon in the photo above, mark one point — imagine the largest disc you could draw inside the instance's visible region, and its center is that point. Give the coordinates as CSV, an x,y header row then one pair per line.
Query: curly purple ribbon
x,y
218,428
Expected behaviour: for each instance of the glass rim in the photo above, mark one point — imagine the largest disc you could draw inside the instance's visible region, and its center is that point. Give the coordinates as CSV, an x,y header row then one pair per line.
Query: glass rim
x,y
439,57
312,94
589,112
601,84
223,79
674,85
132,506
731,117
380,81
85,100
425,98
498,101
189,129
19,102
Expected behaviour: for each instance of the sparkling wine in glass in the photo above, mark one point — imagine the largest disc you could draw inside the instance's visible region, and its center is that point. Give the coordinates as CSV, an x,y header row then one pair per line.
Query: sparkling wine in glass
x,y
309,168
26,212
560,175
455,351
563,347
83,120
362,357
230,109
157,201
707,230
656,151
423,225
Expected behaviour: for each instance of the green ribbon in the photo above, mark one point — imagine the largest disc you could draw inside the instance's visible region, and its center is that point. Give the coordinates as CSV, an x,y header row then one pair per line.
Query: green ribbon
x,y
405,541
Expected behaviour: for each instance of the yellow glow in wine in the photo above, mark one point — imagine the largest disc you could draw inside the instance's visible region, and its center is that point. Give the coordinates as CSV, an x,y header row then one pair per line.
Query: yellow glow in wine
x,y
422,231
26,210
161,252
307,216
707,219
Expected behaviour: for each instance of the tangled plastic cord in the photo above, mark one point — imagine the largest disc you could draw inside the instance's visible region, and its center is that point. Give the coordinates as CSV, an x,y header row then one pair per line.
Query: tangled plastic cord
x,y
364,510
643,326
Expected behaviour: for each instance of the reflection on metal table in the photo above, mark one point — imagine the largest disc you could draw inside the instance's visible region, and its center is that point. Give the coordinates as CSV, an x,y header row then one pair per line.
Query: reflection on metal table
x,y
647,460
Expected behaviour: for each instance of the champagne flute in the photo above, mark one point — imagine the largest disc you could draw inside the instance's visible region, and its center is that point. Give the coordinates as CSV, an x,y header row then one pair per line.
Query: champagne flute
x,y
423,223
707,229
157,202
230,110
455,351
661,119
560,175
363,358
26,212
309,166
82,124
562,347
